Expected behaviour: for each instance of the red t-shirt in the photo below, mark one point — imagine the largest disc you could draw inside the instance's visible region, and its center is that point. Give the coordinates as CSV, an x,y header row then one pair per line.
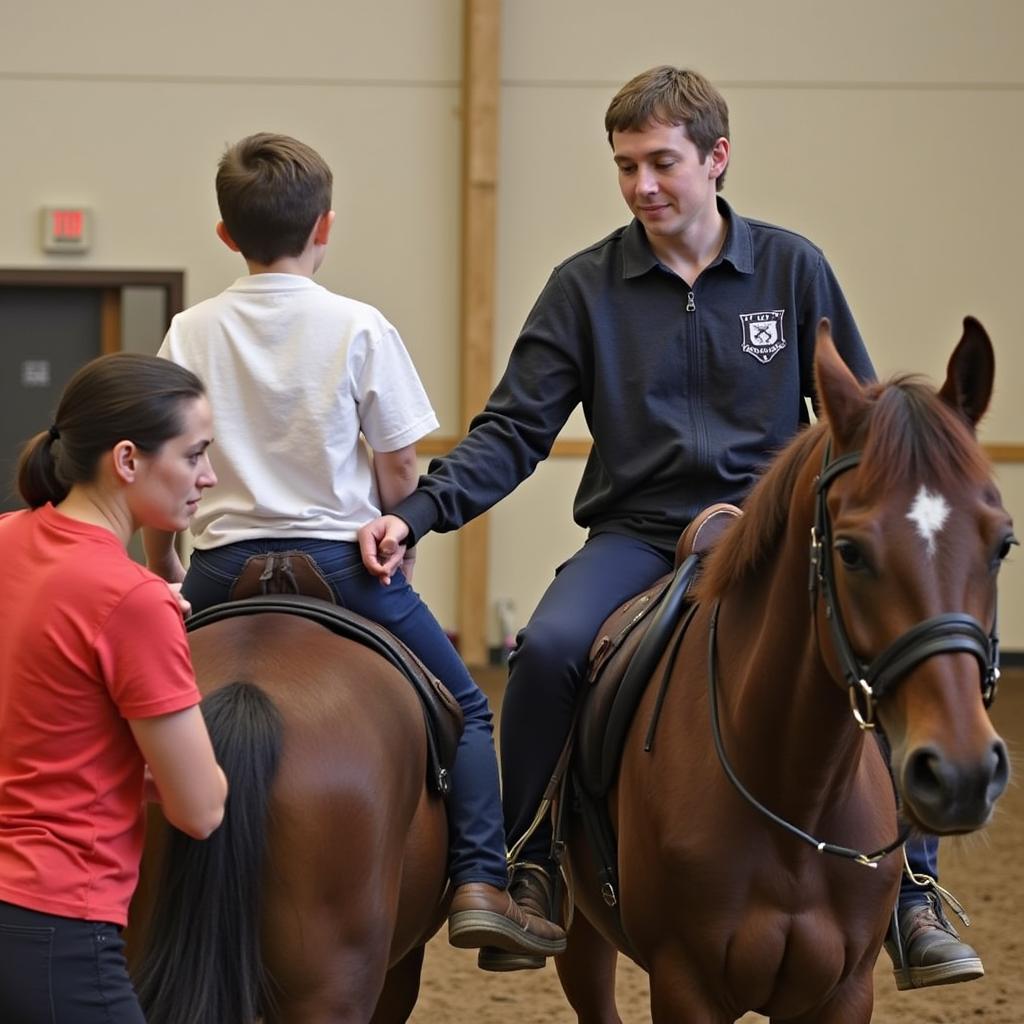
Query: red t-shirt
x,y
88,640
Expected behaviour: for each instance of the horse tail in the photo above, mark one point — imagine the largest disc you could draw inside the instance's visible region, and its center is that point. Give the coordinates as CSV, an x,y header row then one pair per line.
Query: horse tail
x,y
202,960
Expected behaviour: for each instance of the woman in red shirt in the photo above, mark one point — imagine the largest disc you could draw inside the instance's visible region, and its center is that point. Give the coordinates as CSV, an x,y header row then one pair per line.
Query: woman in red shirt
x,y
96,684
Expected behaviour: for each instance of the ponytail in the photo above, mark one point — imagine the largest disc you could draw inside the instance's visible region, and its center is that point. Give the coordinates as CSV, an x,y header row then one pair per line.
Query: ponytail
x,y
37,472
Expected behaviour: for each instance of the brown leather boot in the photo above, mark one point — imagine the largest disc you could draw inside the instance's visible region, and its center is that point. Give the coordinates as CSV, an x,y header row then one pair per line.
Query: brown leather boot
x,y
532,889
484,915
925,948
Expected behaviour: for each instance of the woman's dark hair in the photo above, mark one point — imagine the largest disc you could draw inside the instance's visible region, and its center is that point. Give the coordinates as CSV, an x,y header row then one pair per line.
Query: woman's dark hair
x,y
120,397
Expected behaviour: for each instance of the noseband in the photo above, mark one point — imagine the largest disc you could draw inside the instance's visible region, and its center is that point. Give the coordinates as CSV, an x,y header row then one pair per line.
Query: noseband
x,y
941,634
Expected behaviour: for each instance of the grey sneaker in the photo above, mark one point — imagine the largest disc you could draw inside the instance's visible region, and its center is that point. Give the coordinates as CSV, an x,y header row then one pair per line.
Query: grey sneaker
x,y
926,950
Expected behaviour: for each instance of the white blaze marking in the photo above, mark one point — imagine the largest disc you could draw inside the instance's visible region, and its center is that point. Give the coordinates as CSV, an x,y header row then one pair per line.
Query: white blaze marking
x,y
928,513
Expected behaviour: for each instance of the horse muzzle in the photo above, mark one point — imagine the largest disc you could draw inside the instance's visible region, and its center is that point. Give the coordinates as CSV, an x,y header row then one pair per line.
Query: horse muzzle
x,y
946,795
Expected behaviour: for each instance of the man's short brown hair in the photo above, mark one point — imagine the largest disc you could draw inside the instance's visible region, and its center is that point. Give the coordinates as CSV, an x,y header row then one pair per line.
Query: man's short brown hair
x,y
271,190
672,96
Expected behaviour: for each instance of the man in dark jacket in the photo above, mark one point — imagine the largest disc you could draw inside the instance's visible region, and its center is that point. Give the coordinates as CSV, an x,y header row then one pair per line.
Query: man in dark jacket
x,y
688,338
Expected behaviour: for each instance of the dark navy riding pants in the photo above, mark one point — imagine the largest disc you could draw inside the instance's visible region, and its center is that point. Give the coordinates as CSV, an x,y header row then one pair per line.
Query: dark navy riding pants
x,y
477,840
923,858
60,970
548,665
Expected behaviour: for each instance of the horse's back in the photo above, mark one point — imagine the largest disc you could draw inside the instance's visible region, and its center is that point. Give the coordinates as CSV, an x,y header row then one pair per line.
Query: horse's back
x,y
357,846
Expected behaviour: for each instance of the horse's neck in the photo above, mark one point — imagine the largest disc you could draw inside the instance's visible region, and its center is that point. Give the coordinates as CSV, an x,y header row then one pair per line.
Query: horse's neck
x,y
787,721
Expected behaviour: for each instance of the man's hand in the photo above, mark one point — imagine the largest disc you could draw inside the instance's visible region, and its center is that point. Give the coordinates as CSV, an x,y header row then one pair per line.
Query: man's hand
x,y
382,546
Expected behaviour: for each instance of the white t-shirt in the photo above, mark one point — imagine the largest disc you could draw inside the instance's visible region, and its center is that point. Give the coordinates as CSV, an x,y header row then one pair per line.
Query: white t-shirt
x,y
295,373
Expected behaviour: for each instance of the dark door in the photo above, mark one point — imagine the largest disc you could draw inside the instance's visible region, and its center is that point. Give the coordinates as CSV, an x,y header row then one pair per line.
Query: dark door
x,y
45,335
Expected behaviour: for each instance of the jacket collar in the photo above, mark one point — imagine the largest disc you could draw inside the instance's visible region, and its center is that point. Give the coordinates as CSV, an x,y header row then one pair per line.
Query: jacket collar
x,y
738,250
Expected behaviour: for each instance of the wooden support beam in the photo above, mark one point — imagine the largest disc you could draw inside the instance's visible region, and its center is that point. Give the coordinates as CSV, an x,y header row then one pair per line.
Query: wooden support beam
x,y
1004,453
1001,452
480,100
110,321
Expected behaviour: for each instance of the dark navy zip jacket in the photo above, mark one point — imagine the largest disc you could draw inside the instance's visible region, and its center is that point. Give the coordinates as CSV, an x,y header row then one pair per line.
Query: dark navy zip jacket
x,y
687,391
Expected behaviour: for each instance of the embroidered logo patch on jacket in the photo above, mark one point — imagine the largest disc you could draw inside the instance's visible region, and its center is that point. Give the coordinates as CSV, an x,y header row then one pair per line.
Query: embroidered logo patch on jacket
x,y
762,334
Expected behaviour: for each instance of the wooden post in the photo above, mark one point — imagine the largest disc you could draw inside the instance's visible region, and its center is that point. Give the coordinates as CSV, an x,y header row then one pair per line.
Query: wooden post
x,y
110,321
480,100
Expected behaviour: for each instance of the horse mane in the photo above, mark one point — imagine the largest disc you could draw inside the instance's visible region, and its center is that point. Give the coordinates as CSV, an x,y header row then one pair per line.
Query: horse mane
x,y
752,538
909,432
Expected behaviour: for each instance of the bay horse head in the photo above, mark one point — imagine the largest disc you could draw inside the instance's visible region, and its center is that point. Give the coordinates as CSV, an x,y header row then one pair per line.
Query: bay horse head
x,y
909,536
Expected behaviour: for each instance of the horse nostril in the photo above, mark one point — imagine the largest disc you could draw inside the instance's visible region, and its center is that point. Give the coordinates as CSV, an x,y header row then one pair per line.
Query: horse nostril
x,y
1000,771
939,788
926,776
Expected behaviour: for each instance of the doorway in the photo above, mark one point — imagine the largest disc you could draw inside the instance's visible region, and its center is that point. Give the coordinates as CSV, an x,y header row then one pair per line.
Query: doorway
x,y
54,321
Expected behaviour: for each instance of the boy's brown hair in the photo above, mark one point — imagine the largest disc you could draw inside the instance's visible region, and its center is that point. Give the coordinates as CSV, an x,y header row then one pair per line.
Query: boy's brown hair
x,y
271,190
671,96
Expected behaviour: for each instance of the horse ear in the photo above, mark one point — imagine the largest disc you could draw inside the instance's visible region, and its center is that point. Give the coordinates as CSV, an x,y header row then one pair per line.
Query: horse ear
x,y
840,394
970,373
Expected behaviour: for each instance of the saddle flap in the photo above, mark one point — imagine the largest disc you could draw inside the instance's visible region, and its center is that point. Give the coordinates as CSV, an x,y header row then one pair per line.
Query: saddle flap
x,y
621,625
628,648
627,651
610,655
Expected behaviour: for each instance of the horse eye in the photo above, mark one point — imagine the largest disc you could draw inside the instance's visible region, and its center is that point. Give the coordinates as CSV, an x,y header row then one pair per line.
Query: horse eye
x,y
850,554
1004,548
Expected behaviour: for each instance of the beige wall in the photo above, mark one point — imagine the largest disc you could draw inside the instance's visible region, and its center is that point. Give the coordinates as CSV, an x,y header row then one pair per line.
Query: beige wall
x,y
126,107
888,132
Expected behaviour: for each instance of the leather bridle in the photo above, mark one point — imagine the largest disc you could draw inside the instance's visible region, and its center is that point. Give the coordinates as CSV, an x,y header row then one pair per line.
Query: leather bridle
x,y
868,682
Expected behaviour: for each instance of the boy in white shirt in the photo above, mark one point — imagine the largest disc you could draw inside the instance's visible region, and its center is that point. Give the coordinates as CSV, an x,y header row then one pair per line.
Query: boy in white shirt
x,y
297,377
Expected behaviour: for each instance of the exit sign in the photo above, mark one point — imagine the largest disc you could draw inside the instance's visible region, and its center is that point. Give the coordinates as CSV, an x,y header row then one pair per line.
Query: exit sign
x,y
66,228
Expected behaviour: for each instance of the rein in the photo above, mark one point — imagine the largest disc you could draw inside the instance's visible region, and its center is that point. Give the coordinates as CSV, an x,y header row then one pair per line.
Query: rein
x,y
869,860
867,682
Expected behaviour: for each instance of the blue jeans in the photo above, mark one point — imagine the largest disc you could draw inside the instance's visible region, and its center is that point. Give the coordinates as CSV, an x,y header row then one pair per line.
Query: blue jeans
x,y
61,970
477,839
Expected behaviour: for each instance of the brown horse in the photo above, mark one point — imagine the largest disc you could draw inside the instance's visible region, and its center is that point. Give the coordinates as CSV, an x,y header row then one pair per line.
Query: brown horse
x,y
728,909
325,746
